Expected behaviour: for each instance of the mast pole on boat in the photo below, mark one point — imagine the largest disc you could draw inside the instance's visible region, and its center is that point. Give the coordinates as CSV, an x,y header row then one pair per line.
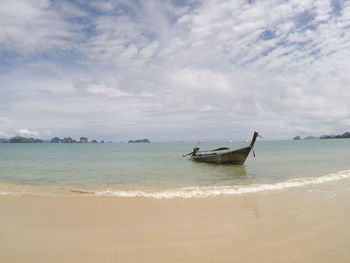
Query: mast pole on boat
x,y
256,134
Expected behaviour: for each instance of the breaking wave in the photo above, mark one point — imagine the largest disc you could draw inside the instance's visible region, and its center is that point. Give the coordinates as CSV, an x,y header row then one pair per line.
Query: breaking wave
x,y
200,192
187,192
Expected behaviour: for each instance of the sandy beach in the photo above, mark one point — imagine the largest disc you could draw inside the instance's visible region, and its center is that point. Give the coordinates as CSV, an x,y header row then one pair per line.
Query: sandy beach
x,y
307,224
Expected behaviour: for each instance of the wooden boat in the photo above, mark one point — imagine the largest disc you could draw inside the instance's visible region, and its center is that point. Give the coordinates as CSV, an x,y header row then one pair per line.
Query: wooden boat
x,y
222,155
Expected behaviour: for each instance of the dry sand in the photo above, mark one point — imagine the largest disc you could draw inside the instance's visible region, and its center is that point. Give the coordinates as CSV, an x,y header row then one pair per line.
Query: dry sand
x,y
297,225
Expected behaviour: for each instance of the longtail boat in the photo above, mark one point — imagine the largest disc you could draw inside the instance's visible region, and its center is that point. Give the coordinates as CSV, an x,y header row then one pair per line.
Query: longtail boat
x,y
223,155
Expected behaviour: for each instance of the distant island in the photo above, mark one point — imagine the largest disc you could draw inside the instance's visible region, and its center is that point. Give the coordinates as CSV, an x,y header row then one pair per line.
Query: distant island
x,y
345,135
145,140
19,139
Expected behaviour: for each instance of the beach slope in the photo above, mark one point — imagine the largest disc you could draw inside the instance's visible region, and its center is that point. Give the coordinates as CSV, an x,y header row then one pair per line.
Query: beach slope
x,y
296,225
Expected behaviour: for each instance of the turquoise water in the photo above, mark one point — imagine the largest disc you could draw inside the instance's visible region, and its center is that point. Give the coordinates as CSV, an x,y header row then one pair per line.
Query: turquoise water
x,y
161,167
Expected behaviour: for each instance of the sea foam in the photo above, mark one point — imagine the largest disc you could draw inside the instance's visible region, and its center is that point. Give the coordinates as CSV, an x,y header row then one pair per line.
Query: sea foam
x,y
185,193
200,192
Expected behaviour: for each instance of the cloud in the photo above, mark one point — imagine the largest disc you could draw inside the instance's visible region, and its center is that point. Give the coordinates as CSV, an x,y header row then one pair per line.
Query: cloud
x,y
32,27
103,89
164,68
27,133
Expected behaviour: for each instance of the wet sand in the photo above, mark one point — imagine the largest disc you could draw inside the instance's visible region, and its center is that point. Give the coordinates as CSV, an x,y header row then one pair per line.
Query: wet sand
x,y
307,224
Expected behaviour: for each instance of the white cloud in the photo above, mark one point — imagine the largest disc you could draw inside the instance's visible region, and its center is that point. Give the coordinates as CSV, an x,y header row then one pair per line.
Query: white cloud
x,y
3,134
27,133
31,27
103,89
165,68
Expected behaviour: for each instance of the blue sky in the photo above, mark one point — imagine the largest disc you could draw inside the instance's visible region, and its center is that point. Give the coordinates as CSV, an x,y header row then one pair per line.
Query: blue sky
x,y
174,70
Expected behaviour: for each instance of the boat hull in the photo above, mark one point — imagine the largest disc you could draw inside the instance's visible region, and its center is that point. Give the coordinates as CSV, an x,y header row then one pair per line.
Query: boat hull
x,y
236,157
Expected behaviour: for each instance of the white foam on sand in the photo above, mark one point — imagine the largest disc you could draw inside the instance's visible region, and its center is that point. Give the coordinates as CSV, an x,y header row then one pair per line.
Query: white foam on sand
x,y
187,192
200,192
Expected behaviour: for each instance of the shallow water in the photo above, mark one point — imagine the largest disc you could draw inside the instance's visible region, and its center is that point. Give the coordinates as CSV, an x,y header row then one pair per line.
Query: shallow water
x,y
160,168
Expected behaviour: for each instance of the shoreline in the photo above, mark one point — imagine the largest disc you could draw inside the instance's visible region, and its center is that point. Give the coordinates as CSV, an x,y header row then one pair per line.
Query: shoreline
x,y
189,192
291,225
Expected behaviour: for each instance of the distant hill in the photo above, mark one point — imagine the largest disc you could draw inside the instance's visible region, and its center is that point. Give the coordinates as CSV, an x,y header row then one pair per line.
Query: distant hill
x,y
19,139
145,140
70,140
345,135
311,138
342,136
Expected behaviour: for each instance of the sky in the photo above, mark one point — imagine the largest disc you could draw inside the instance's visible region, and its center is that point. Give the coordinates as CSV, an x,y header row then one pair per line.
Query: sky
x,y
174,70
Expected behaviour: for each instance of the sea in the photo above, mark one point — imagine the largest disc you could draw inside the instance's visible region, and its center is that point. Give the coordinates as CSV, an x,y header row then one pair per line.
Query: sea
x,y
159,170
